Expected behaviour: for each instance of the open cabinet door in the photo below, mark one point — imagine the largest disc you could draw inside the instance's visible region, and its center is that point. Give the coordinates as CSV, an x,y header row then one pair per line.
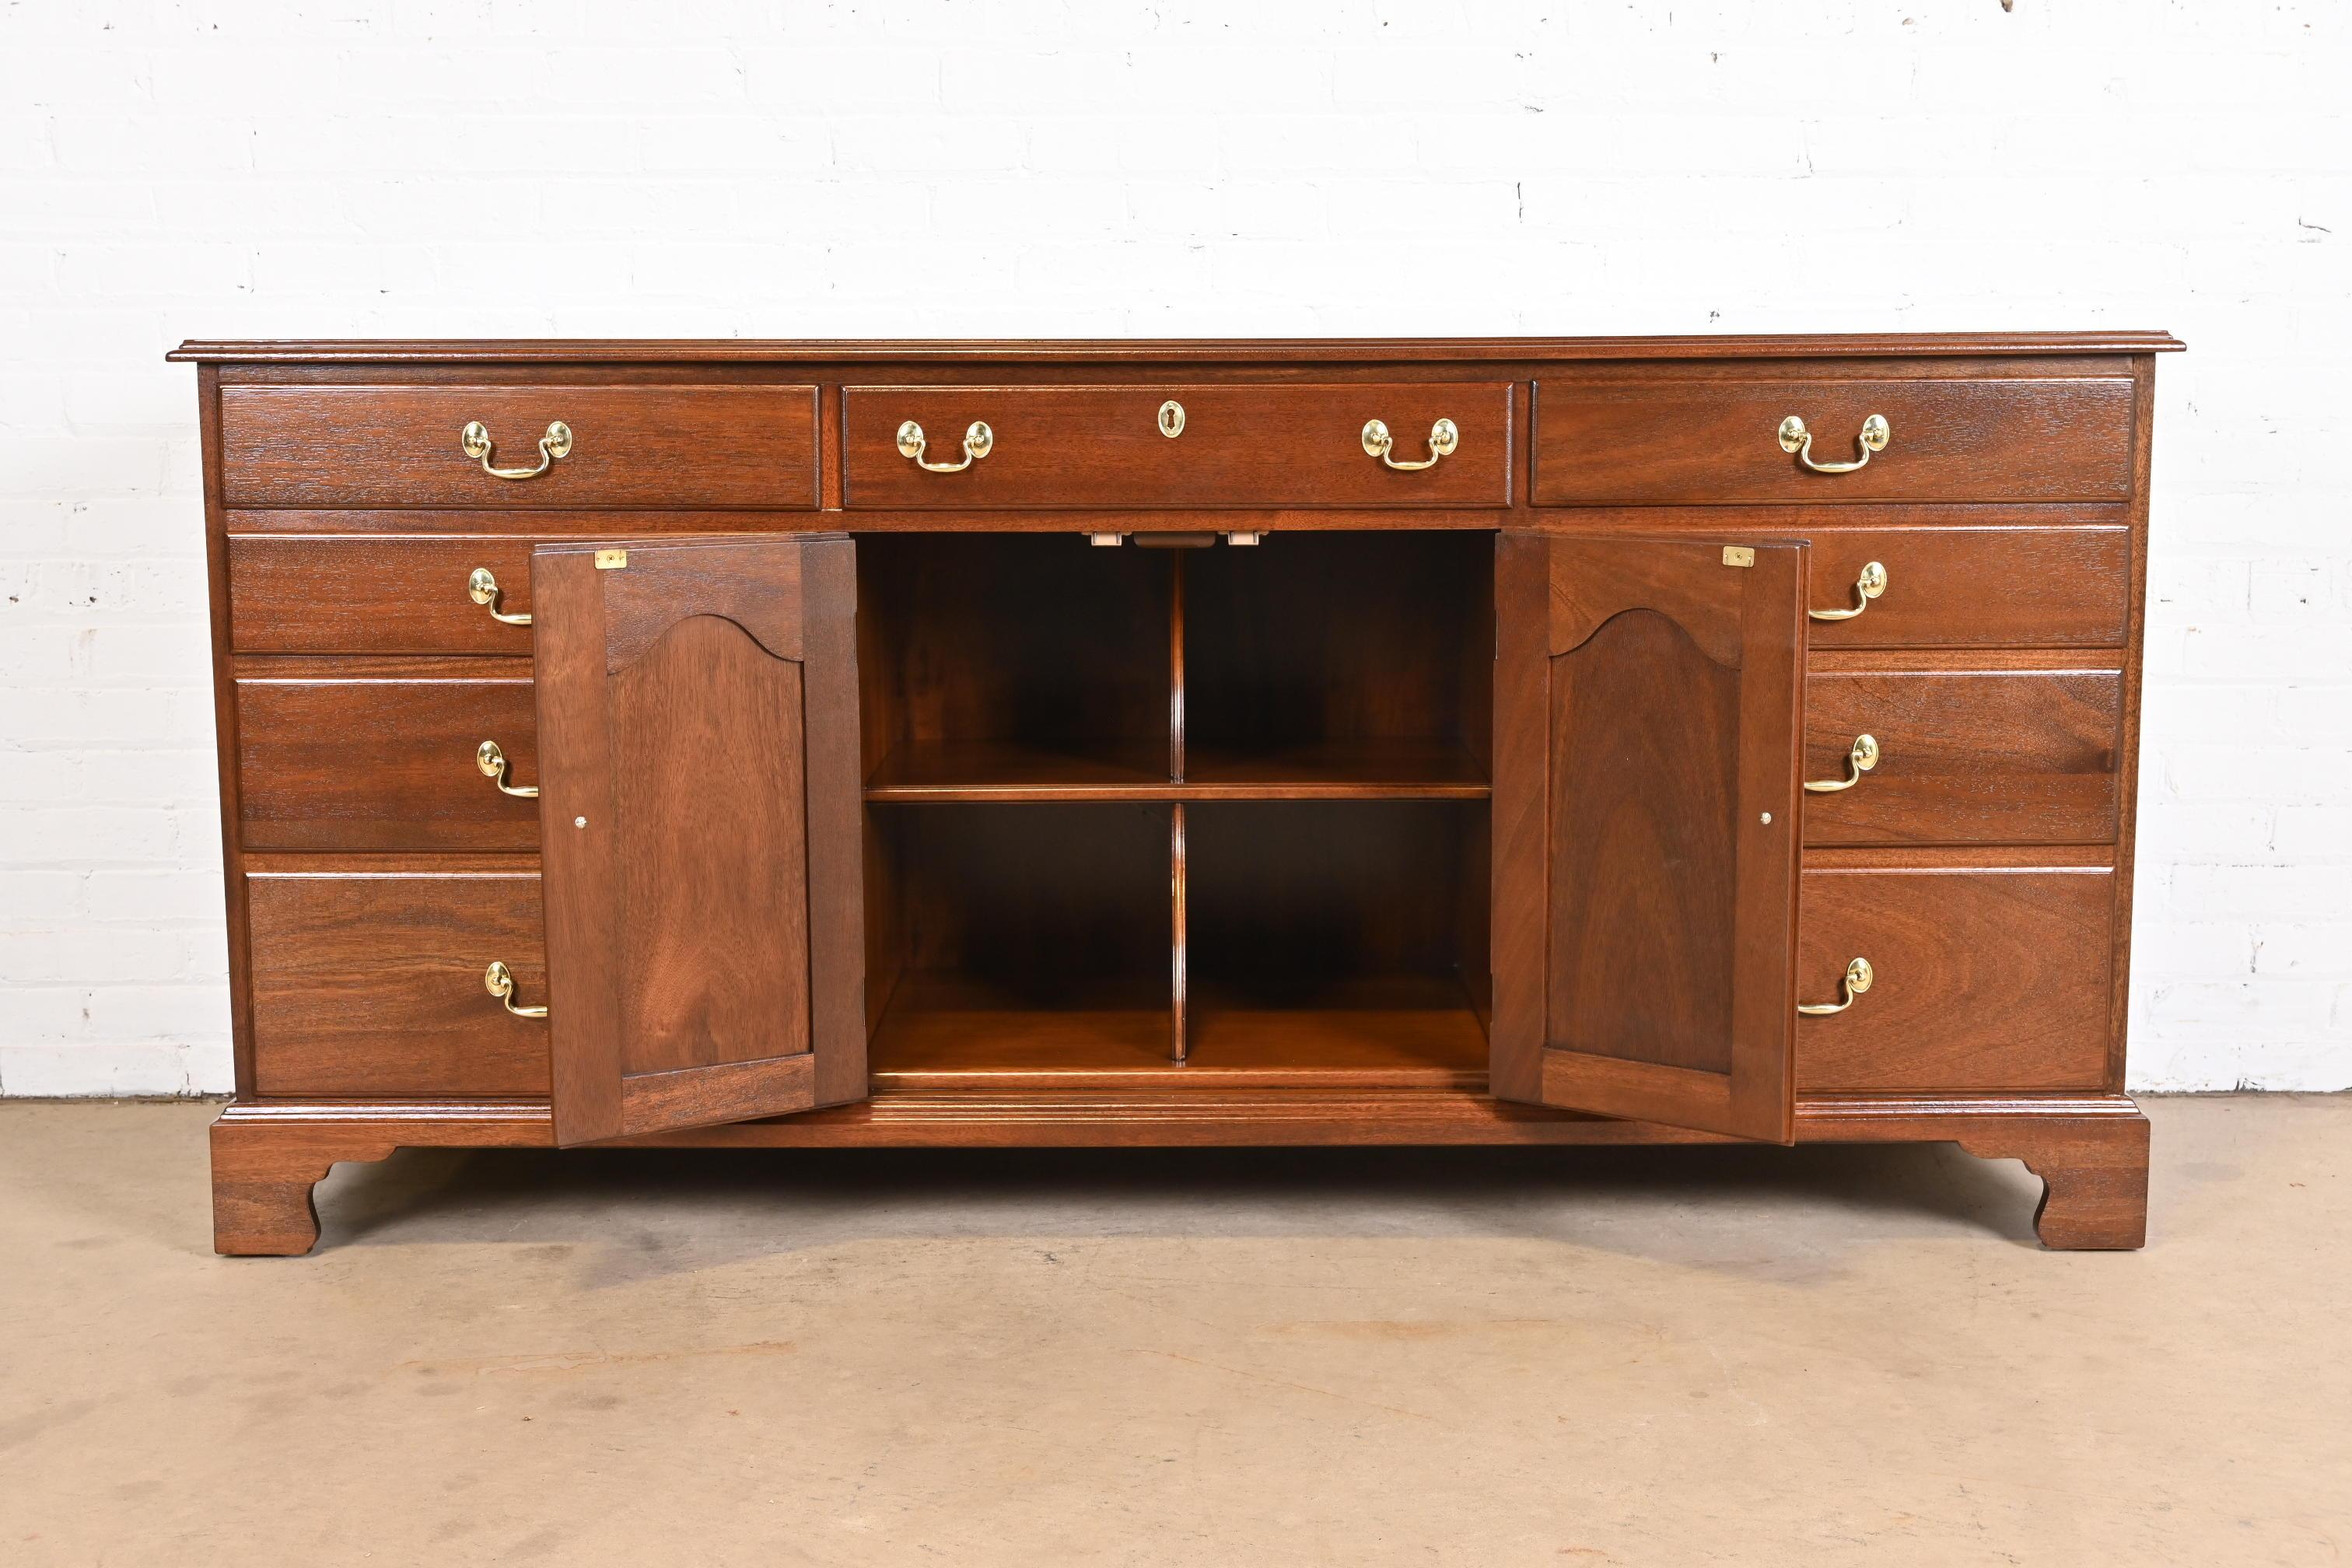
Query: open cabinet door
x,y
1647,707
699,826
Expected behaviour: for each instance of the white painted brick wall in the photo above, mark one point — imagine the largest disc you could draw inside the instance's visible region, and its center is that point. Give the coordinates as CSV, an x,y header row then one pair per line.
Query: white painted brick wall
x,y
232,168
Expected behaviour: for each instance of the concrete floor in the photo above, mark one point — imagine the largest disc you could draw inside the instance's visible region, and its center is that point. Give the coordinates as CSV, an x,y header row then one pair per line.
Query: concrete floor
x,y
1657,1356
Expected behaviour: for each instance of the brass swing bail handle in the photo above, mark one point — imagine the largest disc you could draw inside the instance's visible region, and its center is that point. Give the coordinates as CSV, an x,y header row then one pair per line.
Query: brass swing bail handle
x,y
1860,757
979,440
498,980
482,587
492,762
474,441
1856,980
1867,585
1443,437
1875,434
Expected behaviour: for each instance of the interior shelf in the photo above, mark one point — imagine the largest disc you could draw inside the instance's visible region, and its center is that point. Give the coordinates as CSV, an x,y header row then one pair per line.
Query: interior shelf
x,y
976,771
1374,769
979,771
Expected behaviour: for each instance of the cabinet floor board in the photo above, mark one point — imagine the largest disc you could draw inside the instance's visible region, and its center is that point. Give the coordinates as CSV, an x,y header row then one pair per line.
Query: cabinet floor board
x,y
942,1032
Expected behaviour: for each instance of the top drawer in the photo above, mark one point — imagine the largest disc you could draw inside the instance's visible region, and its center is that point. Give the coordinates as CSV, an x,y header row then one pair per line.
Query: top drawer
x,y
1691,441
657,446
1169,446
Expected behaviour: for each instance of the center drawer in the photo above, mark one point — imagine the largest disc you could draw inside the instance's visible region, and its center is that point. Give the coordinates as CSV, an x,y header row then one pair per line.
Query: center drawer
x,y
1064,448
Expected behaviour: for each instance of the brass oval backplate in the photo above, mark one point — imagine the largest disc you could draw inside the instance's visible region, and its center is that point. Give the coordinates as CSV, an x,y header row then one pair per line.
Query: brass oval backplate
x,y
1172,419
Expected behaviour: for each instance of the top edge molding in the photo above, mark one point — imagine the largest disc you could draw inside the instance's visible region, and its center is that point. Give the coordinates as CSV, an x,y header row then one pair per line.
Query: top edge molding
x,y
1154,351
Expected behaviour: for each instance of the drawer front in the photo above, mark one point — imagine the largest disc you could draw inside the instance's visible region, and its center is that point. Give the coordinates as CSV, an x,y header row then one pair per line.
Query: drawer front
x,y
1693,441
368,983
1986,979
380,595
1964,757
631,445
1079,447
1973,587
329,763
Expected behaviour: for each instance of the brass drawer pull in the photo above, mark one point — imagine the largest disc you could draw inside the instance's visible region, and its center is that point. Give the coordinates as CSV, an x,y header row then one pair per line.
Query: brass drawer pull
x,y
493,763
1854,983
1866,587
977,441
483,589
498,980
474,441
1378,443
1859,759
1875,434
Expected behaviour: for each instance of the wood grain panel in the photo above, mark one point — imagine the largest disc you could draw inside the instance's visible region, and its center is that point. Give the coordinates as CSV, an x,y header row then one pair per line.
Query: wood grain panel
x,y
1276,445
1046,904
370,763
1046,644
716,722
697,714
385,445
1292,902
1310,638
1680,442
1988,978
371,982
1644,792
2020,757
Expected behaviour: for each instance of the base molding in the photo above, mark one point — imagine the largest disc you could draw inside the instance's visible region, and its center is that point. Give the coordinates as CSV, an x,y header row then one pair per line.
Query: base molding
x,y
2090,1151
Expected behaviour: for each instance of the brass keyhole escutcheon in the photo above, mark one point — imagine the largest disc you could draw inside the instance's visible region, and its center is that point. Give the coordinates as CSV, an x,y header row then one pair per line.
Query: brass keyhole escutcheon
x,y
1172,419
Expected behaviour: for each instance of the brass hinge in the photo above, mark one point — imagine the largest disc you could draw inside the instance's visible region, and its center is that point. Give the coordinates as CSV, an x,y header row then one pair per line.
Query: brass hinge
x,y
1738,555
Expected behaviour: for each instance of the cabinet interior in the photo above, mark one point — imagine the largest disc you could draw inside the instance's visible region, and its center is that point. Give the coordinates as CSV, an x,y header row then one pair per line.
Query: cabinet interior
x,y
1197,814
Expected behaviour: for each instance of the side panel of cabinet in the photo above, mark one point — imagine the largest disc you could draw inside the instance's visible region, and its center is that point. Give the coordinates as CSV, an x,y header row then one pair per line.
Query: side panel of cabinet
x,y
698,718
1646,734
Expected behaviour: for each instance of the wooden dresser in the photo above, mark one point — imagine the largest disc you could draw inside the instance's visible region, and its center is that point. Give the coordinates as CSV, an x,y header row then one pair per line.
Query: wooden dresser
x,y
1169,743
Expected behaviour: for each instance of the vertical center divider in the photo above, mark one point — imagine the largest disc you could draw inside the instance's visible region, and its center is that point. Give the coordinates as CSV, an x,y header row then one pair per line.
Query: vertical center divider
x,y
1178,1044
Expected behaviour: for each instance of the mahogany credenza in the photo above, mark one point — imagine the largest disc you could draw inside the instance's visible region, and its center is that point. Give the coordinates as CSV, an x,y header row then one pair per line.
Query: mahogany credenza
x,y
1540,740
